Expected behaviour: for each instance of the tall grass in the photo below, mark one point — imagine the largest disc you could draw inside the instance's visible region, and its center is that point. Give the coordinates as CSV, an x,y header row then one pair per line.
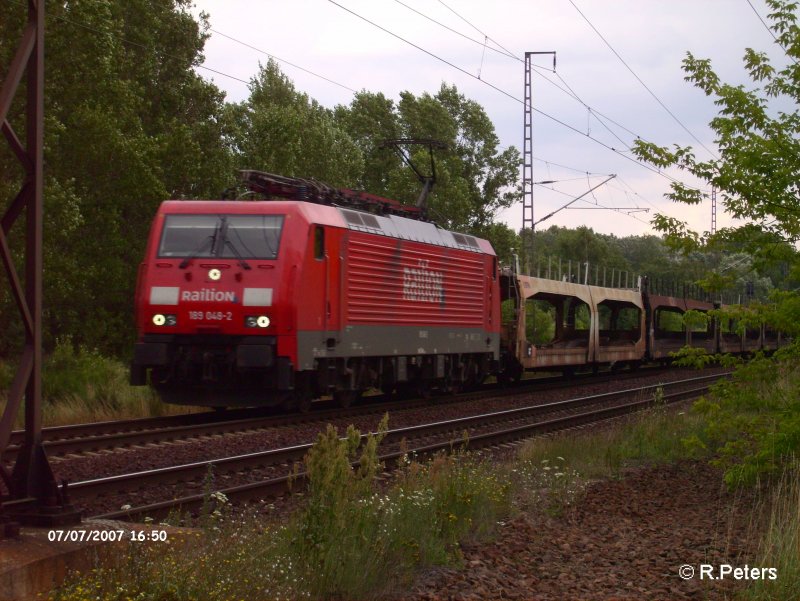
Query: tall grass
x,y
658,435
81,385
779,547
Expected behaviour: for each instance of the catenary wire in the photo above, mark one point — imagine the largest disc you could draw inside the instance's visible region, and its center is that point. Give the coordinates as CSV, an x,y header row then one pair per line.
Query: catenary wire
x,y
282,60
631,215
639,79
568,91
233,77
777,41
514,98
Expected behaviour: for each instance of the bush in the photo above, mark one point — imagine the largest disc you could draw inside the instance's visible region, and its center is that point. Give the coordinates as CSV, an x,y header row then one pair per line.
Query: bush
x,y
80,385
353,541
754,418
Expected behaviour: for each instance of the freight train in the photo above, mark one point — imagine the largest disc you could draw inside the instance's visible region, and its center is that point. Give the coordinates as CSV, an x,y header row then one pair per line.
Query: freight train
x,y
321,291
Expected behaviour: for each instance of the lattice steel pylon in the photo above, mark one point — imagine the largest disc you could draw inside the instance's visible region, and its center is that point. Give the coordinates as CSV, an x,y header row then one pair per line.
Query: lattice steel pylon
x,y
33,496
527,159
527,152
713,211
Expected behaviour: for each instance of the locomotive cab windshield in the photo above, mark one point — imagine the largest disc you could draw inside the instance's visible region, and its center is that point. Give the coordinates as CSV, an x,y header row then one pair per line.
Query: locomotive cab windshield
x,y
221,236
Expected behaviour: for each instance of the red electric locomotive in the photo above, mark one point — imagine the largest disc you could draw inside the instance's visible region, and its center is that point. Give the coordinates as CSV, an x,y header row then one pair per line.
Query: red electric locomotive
x,y
323,292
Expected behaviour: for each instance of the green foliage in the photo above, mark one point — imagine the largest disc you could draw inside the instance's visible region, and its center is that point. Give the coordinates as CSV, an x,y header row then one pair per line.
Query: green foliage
x,y
235,557
655,436
281,130
758,144
7,371
474,178
754,418
505,241
128,124
692,356
696,321
670,321
331,542
540,321
785,316
349,541
547,485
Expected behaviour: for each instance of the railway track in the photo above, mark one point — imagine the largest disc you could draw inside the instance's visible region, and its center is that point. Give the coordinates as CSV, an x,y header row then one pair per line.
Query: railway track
x,y
271,468
99,436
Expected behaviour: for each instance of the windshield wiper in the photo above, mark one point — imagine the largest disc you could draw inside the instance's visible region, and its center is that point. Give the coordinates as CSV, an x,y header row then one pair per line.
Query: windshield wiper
x,y
219,240
225,242
237,254
196,252
193,255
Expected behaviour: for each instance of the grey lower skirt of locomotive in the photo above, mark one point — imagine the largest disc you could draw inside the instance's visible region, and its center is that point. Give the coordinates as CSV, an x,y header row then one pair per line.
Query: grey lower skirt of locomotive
x,y
228,371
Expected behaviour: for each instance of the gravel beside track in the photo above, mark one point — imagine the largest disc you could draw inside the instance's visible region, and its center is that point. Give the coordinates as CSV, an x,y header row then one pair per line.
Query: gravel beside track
x,y
100,436
252,472
146,457
624,540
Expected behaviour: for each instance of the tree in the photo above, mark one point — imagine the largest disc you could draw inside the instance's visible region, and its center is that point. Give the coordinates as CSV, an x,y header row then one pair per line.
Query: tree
x,y
757,173
370,119
128,124
283,131
753,420
474,177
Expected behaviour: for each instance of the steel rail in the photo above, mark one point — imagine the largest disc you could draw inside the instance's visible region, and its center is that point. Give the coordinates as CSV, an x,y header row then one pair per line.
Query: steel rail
x,y
63,440
279,485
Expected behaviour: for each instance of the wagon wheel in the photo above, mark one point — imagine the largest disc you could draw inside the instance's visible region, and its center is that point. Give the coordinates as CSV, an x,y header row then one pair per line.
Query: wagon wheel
x,y
511,375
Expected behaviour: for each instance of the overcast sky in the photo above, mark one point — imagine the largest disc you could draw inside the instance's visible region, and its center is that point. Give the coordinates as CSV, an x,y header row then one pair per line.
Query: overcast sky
x,y
651,37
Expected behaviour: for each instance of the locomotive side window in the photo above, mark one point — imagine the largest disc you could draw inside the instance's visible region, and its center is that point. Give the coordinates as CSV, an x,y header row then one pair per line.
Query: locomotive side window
x,y
226,236
319,242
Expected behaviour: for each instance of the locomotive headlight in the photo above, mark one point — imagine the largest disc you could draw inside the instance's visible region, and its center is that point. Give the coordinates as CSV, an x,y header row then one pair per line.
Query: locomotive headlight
x,y
257,321
165,320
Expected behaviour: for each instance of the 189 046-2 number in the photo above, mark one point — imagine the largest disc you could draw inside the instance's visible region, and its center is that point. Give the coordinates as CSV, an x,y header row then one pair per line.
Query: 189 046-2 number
x,y
211,315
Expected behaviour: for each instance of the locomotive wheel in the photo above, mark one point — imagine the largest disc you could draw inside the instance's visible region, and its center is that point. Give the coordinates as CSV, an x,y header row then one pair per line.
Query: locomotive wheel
x,y
287,402
451,386
345,398
295,401
303,403
299,399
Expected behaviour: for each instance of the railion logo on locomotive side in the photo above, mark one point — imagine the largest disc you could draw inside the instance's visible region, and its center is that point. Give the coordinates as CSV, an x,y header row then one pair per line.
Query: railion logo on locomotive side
x,y
423,284
208,294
